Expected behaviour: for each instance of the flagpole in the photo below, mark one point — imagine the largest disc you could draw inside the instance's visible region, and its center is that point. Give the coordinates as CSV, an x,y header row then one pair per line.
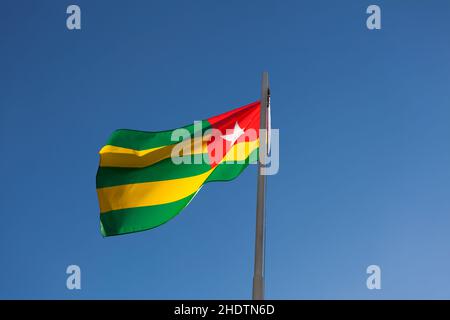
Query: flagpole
x,y
258,273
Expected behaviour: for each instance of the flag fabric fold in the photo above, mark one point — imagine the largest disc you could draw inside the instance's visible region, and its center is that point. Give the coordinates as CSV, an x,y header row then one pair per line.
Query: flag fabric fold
x,y
145,179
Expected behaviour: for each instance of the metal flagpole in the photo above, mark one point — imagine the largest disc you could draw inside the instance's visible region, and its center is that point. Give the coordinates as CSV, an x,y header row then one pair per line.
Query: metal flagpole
x,y
258,273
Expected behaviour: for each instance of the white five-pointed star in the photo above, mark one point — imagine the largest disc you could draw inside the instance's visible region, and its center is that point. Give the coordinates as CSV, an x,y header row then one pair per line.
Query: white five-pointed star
x,y
237,132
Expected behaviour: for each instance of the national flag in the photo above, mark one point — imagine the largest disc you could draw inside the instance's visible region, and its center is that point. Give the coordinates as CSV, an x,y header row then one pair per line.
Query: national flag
x,y
141,185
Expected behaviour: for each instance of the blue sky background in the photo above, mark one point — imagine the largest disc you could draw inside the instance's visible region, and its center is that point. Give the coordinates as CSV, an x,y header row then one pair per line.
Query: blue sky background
x,y
365,146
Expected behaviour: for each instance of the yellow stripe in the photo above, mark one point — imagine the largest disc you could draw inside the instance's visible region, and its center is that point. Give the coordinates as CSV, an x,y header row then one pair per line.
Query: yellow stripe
x,y
240,151
139,153
160,192
112,156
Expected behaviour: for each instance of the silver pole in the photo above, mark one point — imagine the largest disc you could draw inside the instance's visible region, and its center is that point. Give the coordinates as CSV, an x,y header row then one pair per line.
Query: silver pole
x,y
258,274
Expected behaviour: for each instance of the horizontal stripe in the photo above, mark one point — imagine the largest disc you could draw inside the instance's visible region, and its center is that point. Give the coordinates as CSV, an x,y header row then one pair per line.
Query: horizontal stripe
x,y
141,140
141,218
137,153
240,151
112,156
165,191
227,172
166,169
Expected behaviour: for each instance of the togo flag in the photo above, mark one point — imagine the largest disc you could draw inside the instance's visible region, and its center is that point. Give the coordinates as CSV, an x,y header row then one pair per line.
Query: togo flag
x,y
146,178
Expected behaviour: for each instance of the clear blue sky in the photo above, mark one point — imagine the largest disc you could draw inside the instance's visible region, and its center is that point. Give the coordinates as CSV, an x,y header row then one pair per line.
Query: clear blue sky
x,y
365,146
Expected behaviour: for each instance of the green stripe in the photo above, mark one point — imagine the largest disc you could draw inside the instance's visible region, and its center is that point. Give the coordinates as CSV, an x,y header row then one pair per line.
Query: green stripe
x,y
141,140
141,218
167,170
163,170
227,172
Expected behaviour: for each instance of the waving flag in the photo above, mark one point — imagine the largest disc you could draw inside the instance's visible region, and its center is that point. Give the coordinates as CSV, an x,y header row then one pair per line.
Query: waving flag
x,y
146,178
